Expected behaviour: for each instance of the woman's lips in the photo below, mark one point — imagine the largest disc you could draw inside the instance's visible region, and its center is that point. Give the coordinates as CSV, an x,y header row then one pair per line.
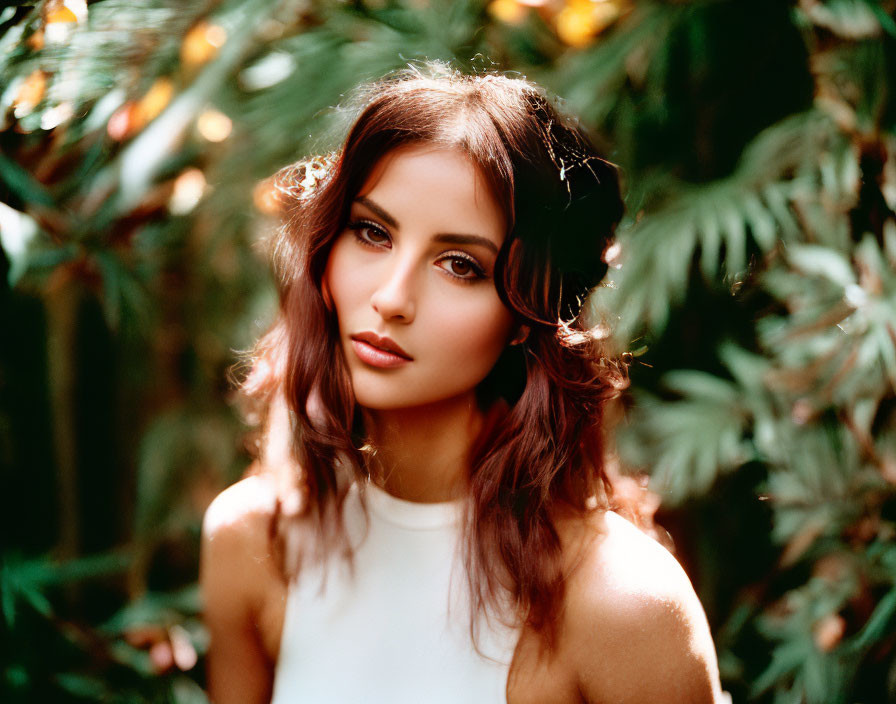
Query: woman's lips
x,y
376,357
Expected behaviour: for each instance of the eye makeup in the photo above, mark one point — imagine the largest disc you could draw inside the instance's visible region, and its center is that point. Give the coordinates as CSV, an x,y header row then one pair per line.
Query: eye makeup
x,y
358,226
378,238
478,273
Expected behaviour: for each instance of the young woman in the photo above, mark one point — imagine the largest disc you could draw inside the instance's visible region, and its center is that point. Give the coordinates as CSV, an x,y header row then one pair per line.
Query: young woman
x,y
437,525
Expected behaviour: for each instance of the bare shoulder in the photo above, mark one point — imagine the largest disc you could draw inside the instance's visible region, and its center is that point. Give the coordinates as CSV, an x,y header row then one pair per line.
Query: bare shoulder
x,y
617,559
633,626
241,514
236,548
242,591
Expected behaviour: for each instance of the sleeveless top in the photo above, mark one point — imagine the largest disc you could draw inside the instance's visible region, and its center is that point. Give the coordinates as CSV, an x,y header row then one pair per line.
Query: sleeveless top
x,y
396,627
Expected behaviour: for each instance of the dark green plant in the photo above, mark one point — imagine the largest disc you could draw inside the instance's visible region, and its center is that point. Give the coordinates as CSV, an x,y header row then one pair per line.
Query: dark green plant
x,y
48,656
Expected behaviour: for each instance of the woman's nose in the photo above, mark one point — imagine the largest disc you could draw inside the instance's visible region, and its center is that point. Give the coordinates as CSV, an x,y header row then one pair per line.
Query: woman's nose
x,y
395,297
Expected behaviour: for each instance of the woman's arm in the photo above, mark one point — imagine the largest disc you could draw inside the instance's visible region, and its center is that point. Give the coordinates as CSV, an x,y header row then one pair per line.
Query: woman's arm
x,y
235,569
634,628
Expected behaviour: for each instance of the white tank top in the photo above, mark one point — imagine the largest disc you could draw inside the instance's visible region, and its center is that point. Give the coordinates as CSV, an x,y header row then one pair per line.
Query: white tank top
x,y
395,630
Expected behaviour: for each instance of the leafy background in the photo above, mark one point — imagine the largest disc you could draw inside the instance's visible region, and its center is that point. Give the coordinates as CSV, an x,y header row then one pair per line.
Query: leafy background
x,y
753,287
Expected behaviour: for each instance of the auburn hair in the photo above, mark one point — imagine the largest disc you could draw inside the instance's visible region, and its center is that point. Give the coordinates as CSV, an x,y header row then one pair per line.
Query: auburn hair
x,y
541,452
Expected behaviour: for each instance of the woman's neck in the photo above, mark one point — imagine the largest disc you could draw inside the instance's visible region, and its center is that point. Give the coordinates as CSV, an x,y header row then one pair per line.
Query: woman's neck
x,y
423,453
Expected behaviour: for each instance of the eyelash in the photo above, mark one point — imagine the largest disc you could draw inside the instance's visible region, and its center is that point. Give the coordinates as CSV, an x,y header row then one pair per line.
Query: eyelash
x,y
478,272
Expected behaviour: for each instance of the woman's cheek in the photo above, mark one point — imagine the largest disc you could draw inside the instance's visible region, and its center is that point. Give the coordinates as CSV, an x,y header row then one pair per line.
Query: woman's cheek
x,y
345,275
483,334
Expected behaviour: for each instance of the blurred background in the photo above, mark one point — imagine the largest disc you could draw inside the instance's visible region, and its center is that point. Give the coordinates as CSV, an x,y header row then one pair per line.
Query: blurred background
x,y
753,287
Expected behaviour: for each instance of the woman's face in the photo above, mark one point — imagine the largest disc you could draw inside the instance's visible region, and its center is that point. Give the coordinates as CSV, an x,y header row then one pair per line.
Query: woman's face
x,y
411,279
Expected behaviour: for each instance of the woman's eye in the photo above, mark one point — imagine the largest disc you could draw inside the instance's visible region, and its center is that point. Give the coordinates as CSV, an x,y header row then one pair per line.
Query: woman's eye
x,y
370,234
374,234
463,268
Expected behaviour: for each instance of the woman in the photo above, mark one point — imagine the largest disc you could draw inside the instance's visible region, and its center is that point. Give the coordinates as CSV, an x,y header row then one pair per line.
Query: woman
x,y
437,527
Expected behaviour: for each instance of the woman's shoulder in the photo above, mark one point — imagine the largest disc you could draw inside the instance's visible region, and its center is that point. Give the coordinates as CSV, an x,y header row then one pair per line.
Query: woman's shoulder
x,y
632,622
242,588
611,554
242,511
237,561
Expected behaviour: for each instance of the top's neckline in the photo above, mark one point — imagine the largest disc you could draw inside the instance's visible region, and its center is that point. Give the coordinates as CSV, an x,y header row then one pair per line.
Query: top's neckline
x,y
411,514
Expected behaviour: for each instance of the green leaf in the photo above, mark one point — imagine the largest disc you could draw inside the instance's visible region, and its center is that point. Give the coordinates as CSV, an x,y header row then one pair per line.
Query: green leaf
x,y
162,608
734,228
122,291
83,686
786,658
761,222
23,185
7,599
700,385
38,601
816,260
186,691
43,257
886,20
852,19
878,624
688,442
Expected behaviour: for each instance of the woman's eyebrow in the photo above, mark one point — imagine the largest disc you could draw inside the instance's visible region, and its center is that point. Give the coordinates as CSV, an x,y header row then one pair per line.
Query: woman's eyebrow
x,y
444,238
377,210
451,238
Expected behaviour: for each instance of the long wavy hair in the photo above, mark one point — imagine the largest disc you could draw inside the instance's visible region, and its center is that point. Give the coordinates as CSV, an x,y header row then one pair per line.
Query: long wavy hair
x,y
541,452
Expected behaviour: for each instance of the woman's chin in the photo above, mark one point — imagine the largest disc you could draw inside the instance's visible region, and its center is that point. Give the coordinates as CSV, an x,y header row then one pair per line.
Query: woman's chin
x,y
409,400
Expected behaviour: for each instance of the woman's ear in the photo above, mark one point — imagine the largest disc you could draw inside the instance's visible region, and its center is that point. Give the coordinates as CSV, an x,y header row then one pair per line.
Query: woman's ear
x,y
521,335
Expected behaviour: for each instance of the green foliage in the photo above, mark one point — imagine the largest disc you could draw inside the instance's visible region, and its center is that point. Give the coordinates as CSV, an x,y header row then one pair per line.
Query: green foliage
x,y
52,658
804,226
756,142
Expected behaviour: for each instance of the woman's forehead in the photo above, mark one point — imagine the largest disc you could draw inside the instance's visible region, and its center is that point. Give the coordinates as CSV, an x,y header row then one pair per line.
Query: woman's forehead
x,y
434,182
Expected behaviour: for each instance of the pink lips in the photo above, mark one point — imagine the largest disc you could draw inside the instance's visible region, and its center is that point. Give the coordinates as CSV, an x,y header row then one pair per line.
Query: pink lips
x,y
379,351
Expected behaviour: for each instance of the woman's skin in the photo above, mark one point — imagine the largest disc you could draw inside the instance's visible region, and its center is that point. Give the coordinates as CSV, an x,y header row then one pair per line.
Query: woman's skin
x,y
415,265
